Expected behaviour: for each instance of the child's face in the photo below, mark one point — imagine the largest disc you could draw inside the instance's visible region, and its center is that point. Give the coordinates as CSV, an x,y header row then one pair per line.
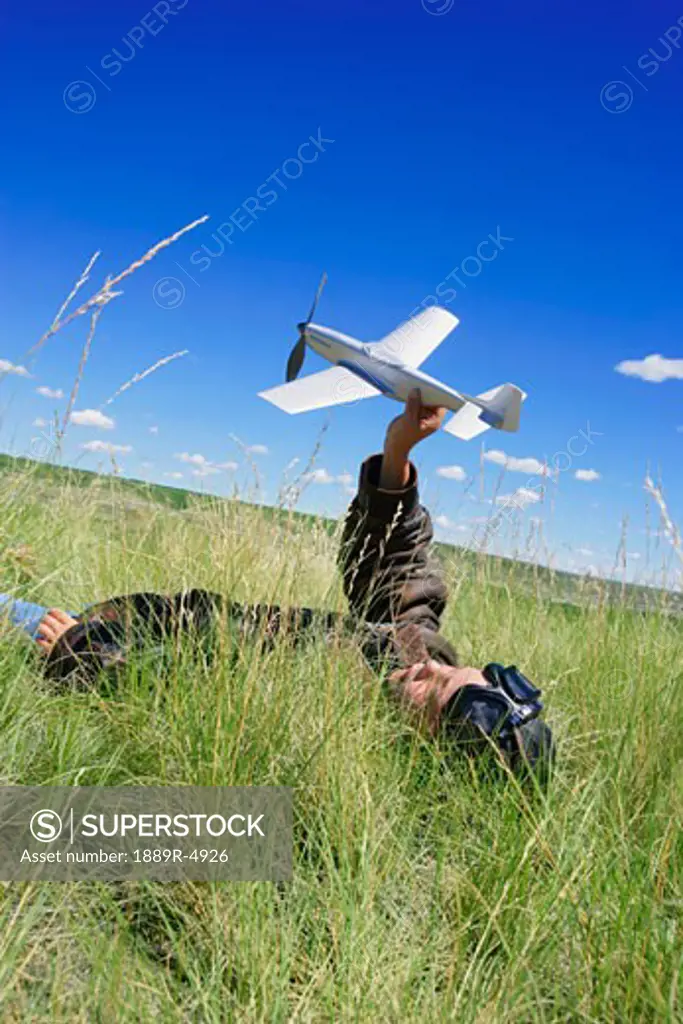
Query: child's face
x,y
427,686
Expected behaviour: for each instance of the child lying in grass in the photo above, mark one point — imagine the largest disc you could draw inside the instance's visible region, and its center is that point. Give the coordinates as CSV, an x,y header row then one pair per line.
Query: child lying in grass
x,y
397,597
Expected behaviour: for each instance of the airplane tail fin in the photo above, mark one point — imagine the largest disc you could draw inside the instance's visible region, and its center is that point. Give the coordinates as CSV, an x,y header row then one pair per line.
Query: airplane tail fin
x,y
499,408
505,401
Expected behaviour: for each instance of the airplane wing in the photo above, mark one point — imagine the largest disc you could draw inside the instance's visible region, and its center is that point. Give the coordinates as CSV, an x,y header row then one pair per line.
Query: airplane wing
x,y
417,338
335,386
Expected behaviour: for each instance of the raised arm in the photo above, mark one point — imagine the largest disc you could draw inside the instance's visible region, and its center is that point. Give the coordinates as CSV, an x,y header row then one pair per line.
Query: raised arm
x,y
389,573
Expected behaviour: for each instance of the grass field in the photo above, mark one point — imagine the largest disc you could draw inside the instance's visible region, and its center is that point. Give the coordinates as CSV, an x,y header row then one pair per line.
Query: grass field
x,y
422,890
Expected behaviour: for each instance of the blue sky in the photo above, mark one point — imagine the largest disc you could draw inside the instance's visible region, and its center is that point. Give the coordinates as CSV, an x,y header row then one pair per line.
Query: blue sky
x,y
435,124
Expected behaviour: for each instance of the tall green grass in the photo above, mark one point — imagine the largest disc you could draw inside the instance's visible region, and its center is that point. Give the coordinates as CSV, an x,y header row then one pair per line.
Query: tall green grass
x,y
422,889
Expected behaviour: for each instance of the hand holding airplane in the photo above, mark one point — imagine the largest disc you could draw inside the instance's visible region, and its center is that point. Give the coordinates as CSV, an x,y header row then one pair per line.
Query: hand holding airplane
x,y
390,367
416,423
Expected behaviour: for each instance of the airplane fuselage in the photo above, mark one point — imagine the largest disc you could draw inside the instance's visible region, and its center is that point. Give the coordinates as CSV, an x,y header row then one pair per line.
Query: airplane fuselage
x,y
391,377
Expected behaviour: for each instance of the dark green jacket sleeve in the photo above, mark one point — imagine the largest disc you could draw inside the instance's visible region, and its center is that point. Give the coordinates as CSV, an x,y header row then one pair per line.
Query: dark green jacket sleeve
x,y
109,632
390,573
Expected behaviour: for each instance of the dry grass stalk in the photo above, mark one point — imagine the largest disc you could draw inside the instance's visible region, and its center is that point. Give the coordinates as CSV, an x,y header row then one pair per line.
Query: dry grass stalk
x,y
94,317
671,531
137,377
94,307
290,493
55,325
76,288
244,448
105,294
151,253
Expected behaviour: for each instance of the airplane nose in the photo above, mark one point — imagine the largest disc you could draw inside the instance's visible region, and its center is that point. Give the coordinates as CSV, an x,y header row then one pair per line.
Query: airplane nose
x,y
302,326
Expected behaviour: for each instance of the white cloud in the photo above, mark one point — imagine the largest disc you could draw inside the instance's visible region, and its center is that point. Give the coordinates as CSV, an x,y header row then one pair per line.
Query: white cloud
x,y
452,473
174,476
193,460
39,422
107,447
146,465
654,368
257,449
92,418
584,552
18,371
447,524
528,464
519,498
203,467
587,475
154,430
50,392
320,476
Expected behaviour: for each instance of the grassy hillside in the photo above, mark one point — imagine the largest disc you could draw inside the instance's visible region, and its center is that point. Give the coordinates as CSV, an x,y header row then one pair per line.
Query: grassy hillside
x,y
422,890
554,585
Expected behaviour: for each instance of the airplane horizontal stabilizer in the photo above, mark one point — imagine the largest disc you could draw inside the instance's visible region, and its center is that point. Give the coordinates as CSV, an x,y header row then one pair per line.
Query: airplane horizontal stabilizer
x,y
465,423
501,409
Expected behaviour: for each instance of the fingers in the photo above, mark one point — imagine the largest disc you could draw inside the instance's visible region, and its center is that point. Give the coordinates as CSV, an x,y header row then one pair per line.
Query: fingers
x,y
60,616
48,628
53,625
423,417
414,404
413,407
432,416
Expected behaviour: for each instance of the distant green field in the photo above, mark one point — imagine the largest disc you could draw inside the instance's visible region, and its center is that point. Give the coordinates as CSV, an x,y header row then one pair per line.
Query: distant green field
x,y
422,889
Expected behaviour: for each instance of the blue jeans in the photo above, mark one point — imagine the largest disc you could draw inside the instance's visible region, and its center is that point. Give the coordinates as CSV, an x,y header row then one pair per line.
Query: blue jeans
x,y
24,614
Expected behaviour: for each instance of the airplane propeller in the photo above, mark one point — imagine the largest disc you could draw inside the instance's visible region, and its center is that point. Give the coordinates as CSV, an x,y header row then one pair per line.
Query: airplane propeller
x,y
296,356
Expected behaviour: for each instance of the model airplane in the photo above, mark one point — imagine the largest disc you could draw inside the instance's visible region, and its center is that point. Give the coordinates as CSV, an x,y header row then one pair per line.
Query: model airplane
x,y
390,367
